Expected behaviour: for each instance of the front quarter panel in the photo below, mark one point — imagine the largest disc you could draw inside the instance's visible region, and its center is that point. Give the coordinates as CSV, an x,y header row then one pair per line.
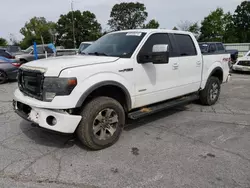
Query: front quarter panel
x,y
88,76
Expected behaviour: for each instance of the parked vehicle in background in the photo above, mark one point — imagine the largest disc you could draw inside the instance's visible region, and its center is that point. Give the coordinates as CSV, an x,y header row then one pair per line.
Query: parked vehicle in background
x,y
84,45
8,69
28,54
218,47
12,49
66,52
6,54
243,63
129,73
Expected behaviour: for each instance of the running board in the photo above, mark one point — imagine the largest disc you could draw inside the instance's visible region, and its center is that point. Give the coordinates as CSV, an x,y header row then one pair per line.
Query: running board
x,y
162,106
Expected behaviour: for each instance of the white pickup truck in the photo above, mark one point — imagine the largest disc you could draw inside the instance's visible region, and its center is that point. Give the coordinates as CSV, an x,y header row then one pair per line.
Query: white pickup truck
x,y
124,74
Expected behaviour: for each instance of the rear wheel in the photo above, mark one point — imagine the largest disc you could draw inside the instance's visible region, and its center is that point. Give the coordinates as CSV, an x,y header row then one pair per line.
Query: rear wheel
x,y
102,122
210,95
3,77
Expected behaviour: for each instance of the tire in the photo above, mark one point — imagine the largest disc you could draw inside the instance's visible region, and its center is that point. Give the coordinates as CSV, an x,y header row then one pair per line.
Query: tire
x,y
95,130
3,77
210,95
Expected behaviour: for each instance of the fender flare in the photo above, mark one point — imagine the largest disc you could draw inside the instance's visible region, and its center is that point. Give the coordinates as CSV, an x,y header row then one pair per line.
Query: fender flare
x,y
214,70
101,84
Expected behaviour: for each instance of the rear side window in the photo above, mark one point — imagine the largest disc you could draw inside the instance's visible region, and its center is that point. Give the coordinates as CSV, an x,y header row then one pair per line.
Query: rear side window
x,y
220,47
186,45
160,38
212,48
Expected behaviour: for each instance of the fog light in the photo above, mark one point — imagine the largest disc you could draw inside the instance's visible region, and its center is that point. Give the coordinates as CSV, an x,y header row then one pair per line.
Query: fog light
x,y
51,120
49,96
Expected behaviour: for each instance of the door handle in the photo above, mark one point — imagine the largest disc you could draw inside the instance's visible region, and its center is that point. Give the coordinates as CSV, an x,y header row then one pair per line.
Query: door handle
x,y
175,66
198,63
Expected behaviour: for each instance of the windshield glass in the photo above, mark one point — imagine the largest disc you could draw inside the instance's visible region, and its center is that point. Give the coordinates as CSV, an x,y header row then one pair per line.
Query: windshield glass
x,y
28,50
116,44
203,47
83,46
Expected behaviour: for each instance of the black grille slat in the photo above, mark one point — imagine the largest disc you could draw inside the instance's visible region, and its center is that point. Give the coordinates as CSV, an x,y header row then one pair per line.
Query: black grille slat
x,y
30,83
244,63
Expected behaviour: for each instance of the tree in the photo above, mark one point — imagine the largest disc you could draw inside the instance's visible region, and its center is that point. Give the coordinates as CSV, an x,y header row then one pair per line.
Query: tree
x,y
213,27
185,25
241,22
86,27
36,29
127,16
175,28
3,42
13,40
152,24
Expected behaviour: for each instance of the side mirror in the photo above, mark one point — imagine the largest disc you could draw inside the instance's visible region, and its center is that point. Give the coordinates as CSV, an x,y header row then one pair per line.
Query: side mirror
x,y
160,54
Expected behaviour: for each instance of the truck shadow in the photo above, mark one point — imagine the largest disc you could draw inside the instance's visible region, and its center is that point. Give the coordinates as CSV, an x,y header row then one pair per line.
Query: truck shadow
x,y
57,140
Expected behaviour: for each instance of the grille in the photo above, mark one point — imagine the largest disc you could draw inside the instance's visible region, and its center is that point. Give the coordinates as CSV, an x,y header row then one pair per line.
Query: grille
x,y
244,63
30,83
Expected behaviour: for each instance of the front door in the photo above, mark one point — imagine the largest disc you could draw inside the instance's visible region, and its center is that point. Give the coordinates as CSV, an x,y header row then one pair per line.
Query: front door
x,y
156,82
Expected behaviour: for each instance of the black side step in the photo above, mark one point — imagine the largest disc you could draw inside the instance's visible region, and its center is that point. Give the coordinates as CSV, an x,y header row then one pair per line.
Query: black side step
x,y
162,106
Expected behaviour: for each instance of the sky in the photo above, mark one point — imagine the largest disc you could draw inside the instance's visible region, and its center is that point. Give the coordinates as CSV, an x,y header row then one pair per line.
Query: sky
x,y
169,13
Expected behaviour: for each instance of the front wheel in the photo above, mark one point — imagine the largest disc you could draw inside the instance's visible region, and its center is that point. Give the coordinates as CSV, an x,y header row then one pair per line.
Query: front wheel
x,y
210,95
102,122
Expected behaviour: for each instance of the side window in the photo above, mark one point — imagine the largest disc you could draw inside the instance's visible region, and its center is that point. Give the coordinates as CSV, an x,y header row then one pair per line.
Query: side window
x,y
220,47
212,48
186,45
160,38
40,50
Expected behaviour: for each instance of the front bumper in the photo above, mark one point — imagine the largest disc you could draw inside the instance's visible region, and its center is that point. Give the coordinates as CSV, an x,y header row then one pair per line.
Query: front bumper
x,y
241,68
65,122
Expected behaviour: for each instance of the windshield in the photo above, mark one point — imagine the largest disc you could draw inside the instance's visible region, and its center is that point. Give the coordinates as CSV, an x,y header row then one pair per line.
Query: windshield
x,y
116,44
28,50
83,46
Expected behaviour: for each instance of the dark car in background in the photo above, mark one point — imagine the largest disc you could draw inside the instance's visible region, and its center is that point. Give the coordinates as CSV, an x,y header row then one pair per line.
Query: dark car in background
x,y
217,47
6,54
8,69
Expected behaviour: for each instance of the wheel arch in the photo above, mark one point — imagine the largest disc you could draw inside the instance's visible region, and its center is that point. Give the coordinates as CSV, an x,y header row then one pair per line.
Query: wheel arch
x,y
103,89
218,73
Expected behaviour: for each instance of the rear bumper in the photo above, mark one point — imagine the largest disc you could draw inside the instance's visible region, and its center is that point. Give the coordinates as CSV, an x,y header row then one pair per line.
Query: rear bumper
x,y
64,122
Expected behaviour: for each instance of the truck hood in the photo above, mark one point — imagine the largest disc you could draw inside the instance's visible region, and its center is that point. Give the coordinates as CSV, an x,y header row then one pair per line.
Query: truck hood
x,y
53,66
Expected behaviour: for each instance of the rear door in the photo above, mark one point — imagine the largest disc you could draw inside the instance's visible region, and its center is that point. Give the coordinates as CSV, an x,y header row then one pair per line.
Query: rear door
x,y
190,63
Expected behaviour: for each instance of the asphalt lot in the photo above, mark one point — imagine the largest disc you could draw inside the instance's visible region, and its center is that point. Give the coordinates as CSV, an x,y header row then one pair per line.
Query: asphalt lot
x,y
191,146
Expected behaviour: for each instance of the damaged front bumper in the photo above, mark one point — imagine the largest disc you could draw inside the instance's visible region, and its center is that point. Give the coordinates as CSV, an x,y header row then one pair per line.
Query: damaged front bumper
x,y
55,120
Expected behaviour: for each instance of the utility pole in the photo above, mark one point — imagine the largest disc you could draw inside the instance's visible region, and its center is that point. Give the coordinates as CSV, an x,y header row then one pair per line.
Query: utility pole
x,y
73,22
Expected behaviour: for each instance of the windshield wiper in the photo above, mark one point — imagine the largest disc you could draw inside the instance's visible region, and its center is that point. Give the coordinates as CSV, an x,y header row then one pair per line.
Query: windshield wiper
x,y
98,53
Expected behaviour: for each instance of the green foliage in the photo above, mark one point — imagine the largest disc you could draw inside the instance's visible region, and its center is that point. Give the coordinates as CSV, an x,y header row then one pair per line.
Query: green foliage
x,y
127,16
152,24
36,29
86,27
241,22
213,27
3,42
175,28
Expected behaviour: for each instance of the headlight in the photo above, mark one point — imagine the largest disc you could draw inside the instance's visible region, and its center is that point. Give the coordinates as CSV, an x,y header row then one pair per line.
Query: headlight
x,y
57,87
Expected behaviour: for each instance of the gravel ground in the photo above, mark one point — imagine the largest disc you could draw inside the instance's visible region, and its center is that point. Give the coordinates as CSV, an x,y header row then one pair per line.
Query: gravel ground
x,y
191,146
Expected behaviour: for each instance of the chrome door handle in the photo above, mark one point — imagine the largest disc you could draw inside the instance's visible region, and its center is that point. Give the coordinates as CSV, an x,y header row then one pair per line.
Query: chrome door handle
x,y
198,63
175,66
